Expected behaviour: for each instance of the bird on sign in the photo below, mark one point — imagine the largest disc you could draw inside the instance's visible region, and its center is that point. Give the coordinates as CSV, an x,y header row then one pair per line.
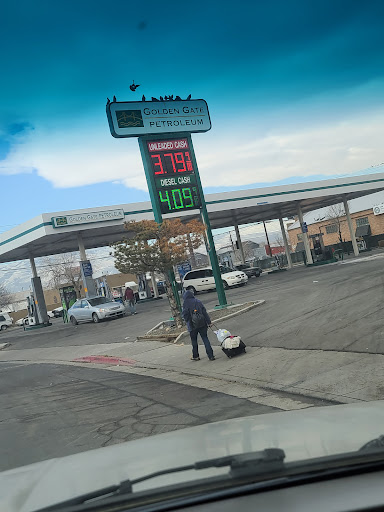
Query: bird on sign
x,y
134,86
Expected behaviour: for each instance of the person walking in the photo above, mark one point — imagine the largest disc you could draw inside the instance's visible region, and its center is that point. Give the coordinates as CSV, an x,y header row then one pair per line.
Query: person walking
x,y
198,321
129,296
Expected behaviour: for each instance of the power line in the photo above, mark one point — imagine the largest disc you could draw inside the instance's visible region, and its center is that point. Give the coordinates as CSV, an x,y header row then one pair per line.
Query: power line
x,y
51,265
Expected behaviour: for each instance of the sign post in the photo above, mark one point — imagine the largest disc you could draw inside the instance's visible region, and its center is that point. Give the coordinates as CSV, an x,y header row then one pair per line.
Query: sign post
x,y
164,132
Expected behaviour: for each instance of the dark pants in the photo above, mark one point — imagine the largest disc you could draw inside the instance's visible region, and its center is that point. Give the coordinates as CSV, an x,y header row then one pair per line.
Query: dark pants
x,y
195,348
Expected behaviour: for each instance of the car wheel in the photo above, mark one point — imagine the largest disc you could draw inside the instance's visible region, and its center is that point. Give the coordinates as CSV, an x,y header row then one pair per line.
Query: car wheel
x,y
194,290
226,285
242,284
3,327
73,320
95,318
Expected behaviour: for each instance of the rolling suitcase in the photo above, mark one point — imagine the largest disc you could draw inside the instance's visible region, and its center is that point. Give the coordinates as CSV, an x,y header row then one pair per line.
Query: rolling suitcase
x,y
232,352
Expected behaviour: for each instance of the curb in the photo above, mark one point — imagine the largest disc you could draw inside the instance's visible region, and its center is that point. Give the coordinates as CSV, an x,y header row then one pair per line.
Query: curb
x,y
255,383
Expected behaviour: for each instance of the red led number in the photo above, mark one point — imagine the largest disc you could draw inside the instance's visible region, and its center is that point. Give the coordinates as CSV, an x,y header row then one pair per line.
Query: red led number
x,y
179,157
189,163
172,160
158,163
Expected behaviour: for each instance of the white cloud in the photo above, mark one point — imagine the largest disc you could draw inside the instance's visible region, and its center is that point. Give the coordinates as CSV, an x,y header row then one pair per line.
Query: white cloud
x,y
339,148
80,155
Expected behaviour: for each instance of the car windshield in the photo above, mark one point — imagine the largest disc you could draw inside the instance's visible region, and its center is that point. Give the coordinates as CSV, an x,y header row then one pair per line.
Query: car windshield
x,y
234,150
98,301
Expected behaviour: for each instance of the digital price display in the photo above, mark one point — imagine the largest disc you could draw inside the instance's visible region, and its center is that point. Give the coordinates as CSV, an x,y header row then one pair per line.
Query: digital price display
x,y
174,175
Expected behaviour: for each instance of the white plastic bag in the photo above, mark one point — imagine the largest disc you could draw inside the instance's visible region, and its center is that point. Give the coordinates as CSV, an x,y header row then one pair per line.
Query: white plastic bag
x,y
231,342
222,334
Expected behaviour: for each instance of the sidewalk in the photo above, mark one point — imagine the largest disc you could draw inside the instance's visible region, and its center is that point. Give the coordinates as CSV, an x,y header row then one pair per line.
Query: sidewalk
x,y
278,377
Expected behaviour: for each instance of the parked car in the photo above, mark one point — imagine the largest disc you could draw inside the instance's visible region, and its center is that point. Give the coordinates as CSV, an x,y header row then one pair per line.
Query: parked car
x,y
161,288
250,271
5,321
57,312
202,279
94,309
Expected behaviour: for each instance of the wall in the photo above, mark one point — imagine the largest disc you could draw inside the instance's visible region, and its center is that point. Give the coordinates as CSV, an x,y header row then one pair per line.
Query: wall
x,y
120,279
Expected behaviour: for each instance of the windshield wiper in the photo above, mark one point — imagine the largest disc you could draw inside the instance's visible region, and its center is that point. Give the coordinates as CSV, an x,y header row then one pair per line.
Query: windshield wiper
x,y
265,461
265,465
243,463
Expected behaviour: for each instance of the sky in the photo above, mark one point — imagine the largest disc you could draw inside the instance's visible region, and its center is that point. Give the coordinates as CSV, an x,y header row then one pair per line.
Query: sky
x,y
294,90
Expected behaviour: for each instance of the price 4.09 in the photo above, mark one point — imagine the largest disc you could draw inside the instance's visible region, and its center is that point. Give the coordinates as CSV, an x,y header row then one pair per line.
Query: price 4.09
x,y
173,199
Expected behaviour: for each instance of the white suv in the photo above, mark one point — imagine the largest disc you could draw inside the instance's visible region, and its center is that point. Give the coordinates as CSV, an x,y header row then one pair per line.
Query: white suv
x,y
5,321
202,279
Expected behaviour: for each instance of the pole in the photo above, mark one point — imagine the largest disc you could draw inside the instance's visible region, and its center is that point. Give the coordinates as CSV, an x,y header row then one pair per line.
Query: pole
x,y
157,215
191,253
83,255
239,241
284,234
349,221
305,236
266,236
211,244
154,286
33,266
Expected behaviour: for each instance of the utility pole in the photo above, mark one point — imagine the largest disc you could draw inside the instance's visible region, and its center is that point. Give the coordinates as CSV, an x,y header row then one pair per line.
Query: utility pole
x,y
266,236
191,253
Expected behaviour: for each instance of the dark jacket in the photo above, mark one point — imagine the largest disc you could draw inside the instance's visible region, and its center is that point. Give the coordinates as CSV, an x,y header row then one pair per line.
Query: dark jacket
x,y
191,303
129,295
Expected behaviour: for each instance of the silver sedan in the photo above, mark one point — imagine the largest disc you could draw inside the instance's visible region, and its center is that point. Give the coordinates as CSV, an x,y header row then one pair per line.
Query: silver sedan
x,y
94,309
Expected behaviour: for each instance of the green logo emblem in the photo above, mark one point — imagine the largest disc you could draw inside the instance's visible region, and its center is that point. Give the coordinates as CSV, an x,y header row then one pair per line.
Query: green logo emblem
x,y
61,221
129,118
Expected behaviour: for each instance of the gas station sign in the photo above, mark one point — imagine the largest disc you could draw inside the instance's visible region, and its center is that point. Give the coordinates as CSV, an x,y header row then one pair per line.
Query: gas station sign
x,y
164,132
136,118
173,174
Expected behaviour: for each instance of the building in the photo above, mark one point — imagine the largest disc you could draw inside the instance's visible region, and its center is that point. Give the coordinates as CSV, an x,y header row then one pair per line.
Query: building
x,y
18,307
230,254
201,259
367,215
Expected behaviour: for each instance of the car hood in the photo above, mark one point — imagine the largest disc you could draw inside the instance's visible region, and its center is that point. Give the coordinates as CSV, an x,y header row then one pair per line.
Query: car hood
x,y
303,434
108,305
233,273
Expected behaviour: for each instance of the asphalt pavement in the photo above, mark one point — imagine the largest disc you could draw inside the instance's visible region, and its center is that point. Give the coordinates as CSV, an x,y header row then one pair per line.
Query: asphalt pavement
x,y
331,307
319,334
49,410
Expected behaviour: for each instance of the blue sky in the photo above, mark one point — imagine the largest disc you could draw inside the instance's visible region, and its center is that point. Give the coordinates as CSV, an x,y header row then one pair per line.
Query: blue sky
x,y
294,90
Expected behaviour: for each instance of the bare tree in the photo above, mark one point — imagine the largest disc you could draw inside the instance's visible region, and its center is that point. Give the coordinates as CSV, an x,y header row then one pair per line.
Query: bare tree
x,y
5,297
279,240
335,213
62,269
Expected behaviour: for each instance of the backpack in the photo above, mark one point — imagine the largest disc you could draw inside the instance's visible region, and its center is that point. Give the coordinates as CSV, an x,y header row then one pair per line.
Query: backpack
x,y
197,319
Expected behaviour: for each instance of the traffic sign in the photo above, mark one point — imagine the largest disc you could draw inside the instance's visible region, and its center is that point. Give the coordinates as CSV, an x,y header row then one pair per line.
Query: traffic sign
x,y
183,268
136,118
87,268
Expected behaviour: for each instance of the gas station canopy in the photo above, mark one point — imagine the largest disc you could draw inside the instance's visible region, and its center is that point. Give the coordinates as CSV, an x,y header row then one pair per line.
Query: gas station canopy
x,y
54,233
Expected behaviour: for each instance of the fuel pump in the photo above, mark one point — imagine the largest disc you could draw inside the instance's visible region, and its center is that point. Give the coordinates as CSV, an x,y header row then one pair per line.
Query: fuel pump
x,y
37,310
318,247
32,313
